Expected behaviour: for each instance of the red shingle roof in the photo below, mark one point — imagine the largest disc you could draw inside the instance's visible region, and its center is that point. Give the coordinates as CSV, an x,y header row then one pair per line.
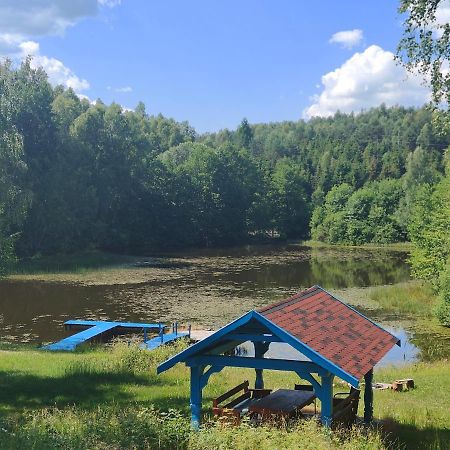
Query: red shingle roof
x,y
333,329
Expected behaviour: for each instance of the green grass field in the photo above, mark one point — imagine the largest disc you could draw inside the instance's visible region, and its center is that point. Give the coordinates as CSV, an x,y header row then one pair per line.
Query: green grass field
x,y
112,398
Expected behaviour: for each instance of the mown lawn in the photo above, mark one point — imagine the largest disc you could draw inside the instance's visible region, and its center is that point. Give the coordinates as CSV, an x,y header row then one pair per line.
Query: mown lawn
x,y
112,398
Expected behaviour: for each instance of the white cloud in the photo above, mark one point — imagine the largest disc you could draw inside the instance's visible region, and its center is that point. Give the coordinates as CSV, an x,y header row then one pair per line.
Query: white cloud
x,y
365,80
43,17
347,39
110,3
443,13
22,21
442,17
57,72
9,43
46,17
124,89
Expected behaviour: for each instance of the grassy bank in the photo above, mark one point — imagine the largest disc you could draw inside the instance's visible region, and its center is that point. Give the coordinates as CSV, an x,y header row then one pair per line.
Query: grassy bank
x,y
413,298
112,398
395,246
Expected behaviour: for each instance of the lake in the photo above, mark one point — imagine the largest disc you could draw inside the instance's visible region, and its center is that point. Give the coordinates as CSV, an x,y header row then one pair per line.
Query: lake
x,y
205,288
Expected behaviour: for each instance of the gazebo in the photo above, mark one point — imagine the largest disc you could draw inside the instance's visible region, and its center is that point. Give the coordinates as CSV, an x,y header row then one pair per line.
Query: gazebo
x,y
334,339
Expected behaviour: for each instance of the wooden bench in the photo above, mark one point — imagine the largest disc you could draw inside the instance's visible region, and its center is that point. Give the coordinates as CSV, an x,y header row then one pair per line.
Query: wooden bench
x,y
346,408
308,388
238,401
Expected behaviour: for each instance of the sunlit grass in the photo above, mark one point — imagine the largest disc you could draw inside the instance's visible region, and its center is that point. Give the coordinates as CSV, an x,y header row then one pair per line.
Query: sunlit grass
x,y
112,398
410,298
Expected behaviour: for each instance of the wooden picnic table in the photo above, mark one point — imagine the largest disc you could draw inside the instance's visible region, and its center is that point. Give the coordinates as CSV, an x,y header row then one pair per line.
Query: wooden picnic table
x,y
283,402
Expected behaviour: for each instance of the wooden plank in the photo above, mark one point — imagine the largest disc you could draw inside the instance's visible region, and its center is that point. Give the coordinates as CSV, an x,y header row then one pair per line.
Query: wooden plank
x,y
158,340
91,323
282,401
231,392
71,342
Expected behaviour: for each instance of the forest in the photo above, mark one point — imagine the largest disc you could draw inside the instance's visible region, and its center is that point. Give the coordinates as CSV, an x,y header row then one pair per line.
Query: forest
x,y
76,175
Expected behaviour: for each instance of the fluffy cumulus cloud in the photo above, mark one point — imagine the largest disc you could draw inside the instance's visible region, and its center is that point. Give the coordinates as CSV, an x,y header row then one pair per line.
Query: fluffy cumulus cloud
x,y
367,79
21,20
347,39
57,72
442,16
43,17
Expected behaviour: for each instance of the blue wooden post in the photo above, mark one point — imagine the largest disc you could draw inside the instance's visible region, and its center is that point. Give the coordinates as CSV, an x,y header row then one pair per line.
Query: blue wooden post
x,y
368,397
260,349
326,399
196,396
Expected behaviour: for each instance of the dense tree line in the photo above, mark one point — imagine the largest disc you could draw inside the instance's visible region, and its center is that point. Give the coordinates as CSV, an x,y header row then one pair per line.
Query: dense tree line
x,y
76,175
429,230
425,49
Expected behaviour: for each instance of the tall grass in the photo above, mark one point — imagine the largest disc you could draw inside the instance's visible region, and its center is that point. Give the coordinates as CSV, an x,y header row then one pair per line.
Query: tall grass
x,y
411,298
112,398
305,435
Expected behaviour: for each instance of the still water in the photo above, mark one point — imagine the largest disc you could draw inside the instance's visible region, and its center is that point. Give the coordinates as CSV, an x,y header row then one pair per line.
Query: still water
x,y
207,289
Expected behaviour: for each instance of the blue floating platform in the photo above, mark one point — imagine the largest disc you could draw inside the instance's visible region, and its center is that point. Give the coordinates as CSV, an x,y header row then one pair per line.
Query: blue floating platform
x,y
157,341
92,329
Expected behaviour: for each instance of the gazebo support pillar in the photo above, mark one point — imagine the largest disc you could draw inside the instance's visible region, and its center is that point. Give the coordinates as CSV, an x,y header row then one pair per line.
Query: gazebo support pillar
x,y
326,399
260,349
368,397
196,396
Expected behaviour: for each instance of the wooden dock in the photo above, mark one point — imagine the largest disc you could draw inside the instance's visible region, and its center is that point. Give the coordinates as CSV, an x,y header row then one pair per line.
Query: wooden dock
x,y
101,331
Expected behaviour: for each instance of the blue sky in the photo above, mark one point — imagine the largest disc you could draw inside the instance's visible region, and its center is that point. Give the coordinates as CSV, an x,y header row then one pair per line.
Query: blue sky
x,y
214,62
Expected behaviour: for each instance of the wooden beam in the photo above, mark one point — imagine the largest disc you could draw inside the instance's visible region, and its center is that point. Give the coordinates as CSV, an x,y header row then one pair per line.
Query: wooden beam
x,y
243,337
256,363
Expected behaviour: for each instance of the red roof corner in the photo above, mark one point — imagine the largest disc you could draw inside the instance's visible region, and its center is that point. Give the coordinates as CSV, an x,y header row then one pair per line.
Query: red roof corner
x,y
333,329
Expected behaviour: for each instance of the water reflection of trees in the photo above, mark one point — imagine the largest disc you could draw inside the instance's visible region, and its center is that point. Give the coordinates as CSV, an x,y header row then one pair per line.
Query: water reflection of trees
x,y
342,273
328,269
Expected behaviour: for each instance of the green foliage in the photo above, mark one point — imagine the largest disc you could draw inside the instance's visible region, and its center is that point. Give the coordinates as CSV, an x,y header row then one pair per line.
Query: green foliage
x,y
14,197
76,177
367,215
425,45
430,233
244,134
290,188
307,435
105,427
443,309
